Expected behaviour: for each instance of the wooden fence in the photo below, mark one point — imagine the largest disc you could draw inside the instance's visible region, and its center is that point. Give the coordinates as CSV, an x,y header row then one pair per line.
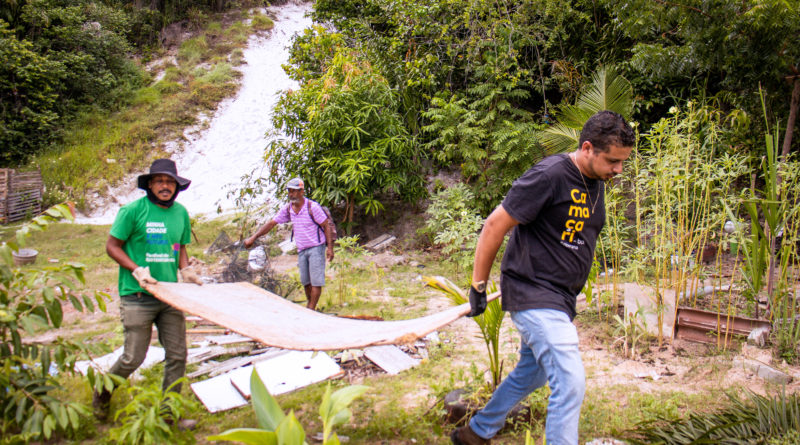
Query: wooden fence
x,y
20,194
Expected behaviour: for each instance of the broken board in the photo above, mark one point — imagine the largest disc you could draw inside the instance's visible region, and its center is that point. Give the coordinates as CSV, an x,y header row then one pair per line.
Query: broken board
x,y
275,321
390,358
282,373
288,372
154,355
218,394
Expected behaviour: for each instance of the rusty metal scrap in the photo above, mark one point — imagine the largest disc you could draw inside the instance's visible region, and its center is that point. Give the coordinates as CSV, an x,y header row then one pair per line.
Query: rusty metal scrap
x,y
713,327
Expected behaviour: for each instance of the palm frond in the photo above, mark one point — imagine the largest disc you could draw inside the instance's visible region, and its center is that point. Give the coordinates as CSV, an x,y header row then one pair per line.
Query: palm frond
x,y
608,91
559,138
751,421
574,116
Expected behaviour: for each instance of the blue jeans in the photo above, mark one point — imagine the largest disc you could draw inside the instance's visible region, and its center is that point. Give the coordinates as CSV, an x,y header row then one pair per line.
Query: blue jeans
x,y
549,354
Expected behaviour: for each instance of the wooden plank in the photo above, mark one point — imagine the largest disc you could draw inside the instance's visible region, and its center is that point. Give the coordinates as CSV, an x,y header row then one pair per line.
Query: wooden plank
x,y
22,195
702,326
275,321
228,339
196,331
6,188
155,354
197,355
215,369
380,242
390,358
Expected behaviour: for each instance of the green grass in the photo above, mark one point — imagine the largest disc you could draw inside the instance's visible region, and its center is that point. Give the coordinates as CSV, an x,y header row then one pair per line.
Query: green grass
x,y
100,147
397,409
261,22
193,51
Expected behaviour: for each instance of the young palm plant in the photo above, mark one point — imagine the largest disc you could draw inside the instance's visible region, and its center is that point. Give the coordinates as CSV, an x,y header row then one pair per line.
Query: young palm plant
x,y
760,420
607,91
489,322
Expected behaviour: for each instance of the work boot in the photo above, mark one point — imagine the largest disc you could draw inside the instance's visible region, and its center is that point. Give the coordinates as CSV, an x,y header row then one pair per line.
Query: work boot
x,y
101,402
465,436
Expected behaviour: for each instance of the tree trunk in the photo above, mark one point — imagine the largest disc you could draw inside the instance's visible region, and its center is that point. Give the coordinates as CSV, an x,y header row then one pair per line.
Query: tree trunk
x,y
795,103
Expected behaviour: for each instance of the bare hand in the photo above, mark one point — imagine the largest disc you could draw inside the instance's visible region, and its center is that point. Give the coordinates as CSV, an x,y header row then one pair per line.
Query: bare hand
x,y
248,242
329,254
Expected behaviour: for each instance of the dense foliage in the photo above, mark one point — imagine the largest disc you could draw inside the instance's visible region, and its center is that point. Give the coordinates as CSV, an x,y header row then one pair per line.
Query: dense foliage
x,y
346,136
476,80
62,56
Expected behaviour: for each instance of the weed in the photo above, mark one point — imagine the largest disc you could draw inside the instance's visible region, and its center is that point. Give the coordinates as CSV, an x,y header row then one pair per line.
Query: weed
x,y
192,50
454,224
261,22
146,419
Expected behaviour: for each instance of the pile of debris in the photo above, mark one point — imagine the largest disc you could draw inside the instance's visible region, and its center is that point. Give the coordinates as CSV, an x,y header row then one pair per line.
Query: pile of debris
x,y
254,267
227,381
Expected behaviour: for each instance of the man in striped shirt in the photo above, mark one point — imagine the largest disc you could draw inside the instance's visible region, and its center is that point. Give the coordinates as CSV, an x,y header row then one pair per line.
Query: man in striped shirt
x,y
312,233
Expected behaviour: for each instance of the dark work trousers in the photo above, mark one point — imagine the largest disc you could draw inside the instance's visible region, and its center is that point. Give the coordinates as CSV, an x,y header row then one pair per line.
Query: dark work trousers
x,y
139,312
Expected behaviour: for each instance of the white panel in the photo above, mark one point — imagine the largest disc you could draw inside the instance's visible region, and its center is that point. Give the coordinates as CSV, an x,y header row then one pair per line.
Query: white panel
x,y
288,372
390,358
218,394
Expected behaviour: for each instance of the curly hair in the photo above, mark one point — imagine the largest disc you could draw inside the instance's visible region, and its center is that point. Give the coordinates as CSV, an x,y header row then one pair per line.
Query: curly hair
x,y
607,128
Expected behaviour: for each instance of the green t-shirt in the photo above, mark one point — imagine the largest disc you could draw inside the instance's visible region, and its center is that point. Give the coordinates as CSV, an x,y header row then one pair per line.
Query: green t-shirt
x,y
153,237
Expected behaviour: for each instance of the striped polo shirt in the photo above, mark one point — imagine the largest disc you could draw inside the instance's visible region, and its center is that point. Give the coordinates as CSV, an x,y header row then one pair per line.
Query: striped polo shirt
x,y
306,233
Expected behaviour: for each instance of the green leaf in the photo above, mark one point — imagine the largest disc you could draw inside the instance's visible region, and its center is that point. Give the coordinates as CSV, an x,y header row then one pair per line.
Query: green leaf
x,y
333,440
55,312
268,413
74,419
45,361
63,417
75,303
345,396
290,432
101,297
6,255
247,435
48,426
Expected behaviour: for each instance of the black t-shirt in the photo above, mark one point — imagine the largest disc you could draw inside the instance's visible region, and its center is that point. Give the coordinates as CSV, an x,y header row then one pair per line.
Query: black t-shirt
x,y
550,253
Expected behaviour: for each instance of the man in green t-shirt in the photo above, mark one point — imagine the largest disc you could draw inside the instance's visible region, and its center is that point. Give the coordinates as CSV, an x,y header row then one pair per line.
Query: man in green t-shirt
x,y
148,240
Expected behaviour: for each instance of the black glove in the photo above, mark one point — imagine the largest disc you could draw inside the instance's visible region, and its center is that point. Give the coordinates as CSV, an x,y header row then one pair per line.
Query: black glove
x,y
477,302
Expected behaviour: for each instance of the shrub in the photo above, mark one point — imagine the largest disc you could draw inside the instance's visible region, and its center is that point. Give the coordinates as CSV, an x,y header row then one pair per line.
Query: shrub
x,y
191,51
30,300
454,224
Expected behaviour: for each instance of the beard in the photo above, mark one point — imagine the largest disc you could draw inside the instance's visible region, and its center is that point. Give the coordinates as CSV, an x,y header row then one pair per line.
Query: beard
x,y
158,201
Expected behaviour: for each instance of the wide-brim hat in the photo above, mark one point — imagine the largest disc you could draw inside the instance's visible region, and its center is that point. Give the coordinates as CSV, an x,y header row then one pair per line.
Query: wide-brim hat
x,y
163,167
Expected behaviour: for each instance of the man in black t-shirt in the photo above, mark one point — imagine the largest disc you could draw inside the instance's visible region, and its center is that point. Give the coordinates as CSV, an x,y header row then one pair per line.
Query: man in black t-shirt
x,y
556,210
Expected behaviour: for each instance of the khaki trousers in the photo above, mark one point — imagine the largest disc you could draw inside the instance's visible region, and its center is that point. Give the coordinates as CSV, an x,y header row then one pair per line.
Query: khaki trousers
x,y
139,312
